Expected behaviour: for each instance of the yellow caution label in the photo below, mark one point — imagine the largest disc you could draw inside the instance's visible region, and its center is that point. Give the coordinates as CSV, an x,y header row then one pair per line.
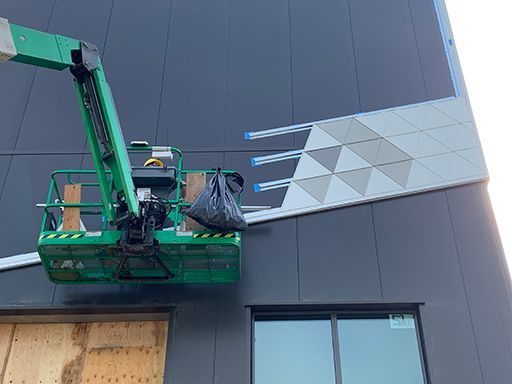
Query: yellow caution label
x,y
213,235
62,236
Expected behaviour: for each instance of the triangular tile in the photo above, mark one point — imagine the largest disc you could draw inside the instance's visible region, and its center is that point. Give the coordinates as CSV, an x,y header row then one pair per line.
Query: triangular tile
x,y
446,135
457,109
319,139
407,143
339,190
470,125
474,156
328,157
461,169
451,167
380,183
296,197
399,126
466,138
357,179
420,176
349,160
337,129
425,117
439,164
359,132
309,167
377,122
388,153
367,149
386,123
399,172
427,146
316,187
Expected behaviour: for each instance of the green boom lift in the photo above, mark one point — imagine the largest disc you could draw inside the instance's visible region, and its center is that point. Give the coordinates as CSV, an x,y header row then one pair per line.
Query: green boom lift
x,y
141,238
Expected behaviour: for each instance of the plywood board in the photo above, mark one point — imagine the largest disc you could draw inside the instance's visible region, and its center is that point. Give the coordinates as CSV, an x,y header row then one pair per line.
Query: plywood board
x,y
71,216
123,352
6,334
195,185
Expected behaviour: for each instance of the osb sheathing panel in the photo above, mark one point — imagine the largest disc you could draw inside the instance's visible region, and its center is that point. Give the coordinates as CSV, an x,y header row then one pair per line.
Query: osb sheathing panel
x,y
125,352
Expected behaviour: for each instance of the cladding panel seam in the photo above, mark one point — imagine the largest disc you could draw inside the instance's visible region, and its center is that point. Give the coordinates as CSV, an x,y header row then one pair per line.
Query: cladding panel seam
x,y
468,305
164,70
417,48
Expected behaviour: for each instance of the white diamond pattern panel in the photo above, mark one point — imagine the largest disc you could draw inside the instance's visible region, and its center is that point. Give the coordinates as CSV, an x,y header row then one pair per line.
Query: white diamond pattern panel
x,y
384,154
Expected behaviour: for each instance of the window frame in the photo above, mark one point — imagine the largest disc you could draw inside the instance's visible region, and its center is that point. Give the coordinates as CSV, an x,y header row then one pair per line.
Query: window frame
x,y
333,315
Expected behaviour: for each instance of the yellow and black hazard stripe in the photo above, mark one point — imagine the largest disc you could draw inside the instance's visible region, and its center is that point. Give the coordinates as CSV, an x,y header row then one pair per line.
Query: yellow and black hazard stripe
x,y
213,235
62,236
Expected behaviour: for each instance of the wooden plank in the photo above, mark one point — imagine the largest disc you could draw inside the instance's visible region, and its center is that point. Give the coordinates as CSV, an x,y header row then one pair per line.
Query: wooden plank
x,y
6,336
126,352
72,353
195,185
45,353
128,334
71,216
124,365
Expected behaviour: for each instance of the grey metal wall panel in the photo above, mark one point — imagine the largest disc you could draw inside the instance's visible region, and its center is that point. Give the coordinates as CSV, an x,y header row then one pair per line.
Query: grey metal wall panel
x,y
52,119
26,287
15,77
434,64
95,295
488,298
190,354
193,103
269,263
231,360
240,161
202,160
27,184
134,64
5,161
337,256
388,66
259,84
419,262
324,73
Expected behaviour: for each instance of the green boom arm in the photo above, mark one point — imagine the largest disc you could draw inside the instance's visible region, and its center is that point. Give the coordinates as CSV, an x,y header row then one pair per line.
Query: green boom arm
x,y
103,130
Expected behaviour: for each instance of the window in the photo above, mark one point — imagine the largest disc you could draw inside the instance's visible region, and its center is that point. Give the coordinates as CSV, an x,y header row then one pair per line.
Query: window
x,y
337,348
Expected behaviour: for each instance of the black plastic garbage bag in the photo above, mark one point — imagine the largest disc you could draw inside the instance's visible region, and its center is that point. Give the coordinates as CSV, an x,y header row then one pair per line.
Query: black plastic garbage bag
x,y
216,207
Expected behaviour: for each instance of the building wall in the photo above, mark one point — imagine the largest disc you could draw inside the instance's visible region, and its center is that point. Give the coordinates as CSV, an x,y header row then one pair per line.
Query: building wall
x,y
197,74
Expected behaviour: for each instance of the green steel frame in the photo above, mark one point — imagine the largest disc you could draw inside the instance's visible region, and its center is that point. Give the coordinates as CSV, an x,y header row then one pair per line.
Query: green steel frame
x,y
93,256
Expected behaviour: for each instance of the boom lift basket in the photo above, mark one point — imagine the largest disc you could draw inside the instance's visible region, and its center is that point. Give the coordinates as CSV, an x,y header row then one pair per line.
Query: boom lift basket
x,y
176,256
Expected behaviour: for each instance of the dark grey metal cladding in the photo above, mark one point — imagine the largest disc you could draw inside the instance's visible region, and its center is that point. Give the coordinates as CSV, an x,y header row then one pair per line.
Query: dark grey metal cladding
x,y
26,185
486,280
5,161
337,256
269,264
418,261
434,66
323,66
52,118
133,60
259,83
193,104
26,287
15,77
240,161
96,295
191,353
388,66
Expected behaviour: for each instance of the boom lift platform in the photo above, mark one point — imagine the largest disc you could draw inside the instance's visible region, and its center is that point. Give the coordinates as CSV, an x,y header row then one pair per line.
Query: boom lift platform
x,y
142,236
